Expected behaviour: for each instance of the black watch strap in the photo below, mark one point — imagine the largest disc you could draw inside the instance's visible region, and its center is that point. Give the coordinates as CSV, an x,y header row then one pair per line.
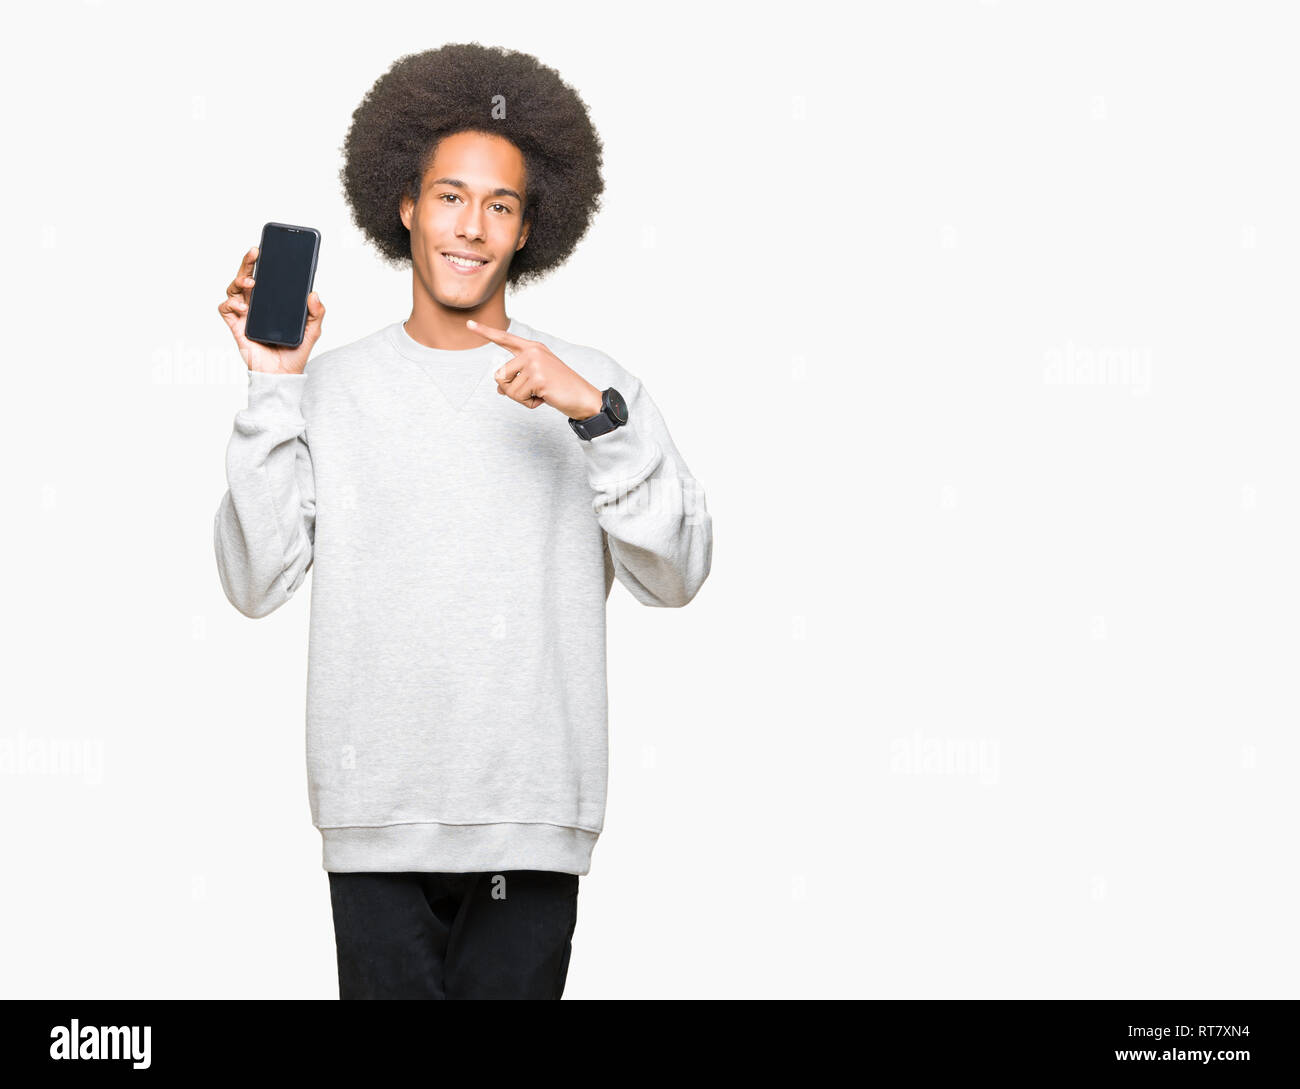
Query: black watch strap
x,y
612,414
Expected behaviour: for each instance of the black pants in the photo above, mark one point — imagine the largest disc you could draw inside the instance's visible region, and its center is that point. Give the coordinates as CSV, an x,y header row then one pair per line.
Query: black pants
x,y
453,935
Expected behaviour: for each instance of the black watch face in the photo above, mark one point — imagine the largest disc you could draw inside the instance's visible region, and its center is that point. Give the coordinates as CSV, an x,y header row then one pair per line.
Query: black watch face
x,y
618,406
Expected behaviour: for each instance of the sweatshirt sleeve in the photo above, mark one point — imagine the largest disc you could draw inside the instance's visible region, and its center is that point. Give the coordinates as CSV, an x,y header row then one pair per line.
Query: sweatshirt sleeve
x,y
656,521
265,526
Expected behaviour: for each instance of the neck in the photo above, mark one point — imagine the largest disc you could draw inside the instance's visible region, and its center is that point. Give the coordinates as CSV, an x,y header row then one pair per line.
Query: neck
x,y
437,326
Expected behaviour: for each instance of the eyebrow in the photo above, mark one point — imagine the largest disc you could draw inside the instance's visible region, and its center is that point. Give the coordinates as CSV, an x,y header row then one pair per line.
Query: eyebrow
x,y
499,192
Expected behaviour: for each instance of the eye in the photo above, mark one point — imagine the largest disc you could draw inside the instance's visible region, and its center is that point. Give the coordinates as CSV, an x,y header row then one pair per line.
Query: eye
x,y
456,196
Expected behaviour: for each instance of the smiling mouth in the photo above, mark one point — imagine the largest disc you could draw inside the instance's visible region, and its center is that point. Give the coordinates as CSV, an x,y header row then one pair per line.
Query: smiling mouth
x,y
462,264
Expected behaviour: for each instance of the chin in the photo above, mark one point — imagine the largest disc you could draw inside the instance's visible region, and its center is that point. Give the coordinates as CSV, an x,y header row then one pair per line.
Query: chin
x,y
456,302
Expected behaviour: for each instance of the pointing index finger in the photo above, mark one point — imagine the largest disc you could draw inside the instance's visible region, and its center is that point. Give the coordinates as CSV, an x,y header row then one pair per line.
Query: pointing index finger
x,y
499,336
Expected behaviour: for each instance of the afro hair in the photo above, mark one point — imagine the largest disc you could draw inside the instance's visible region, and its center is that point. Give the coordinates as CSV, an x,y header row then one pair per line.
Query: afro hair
x,y
423,97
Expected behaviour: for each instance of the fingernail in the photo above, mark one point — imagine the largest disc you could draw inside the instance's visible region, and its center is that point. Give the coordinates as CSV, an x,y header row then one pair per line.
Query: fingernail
x,y
470,321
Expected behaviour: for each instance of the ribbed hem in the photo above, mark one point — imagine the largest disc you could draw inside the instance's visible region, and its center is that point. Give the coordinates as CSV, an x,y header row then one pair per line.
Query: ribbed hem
x,y
457,848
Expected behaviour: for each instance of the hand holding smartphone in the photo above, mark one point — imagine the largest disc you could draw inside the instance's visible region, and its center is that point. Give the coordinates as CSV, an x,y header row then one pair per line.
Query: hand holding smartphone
x,y
270,308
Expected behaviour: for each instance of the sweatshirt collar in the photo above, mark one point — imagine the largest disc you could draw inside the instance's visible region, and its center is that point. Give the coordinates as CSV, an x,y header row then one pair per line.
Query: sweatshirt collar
x,y
410,348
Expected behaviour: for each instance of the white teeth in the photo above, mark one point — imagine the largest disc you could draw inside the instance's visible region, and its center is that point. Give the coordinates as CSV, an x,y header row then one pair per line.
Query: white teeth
x,y
463,261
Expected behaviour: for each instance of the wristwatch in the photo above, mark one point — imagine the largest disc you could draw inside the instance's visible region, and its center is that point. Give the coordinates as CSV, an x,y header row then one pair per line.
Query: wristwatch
x,y
612,414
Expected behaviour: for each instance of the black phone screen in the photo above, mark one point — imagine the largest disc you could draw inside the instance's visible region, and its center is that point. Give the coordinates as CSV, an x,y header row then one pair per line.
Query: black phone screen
x,y
286,267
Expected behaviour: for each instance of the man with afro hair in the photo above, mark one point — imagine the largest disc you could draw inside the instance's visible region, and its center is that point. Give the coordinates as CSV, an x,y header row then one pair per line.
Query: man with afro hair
x,y
468,488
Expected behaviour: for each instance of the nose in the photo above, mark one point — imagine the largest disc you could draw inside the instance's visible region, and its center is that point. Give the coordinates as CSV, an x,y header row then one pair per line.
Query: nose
x,y
470,225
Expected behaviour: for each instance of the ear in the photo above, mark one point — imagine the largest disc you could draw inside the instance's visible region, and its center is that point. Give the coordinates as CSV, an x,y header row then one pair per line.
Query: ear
x,y
523,235
406,208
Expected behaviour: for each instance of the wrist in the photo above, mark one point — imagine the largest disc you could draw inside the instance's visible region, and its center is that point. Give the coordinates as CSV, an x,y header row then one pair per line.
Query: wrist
x,y
594,403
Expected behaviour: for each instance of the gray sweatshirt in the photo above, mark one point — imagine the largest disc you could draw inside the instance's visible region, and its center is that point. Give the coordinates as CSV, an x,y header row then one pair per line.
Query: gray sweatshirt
x,y
464,547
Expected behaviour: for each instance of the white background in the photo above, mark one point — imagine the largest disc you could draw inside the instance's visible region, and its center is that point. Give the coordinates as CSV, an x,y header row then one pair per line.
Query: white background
x,y
976,323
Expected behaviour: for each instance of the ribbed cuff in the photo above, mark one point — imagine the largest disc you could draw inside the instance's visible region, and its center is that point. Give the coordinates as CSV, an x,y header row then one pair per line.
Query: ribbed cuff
x,y
621,457
271,392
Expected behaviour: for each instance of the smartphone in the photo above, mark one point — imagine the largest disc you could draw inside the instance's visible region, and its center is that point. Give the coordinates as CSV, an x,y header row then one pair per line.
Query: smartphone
x,y
283,276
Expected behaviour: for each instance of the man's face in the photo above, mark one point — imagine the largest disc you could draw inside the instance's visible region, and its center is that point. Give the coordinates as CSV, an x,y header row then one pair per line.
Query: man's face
x,y
471,202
